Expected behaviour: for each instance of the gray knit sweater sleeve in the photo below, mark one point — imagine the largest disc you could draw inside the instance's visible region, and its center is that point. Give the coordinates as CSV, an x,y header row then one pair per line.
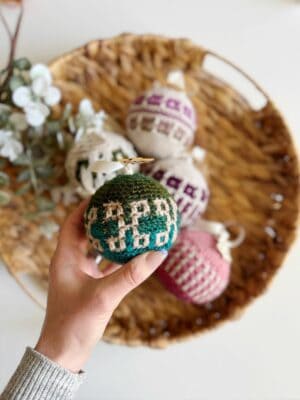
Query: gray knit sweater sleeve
x,y
38,378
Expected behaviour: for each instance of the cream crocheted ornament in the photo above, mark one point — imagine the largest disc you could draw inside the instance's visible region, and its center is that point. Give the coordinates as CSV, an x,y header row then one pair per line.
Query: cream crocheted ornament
x,y
86,151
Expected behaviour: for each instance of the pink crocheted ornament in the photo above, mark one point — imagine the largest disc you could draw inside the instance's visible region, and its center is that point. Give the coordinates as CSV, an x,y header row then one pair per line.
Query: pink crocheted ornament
x,y
195,270
185,183
161,123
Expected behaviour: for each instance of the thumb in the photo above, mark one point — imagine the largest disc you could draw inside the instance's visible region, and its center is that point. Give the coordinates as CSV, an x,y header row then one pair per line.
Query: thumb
x,y
118,284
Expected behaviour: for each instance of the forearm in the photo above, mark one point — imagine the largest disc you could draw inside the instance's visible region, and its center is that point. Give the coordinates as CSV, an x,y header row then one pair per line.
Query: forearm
x,y
38,378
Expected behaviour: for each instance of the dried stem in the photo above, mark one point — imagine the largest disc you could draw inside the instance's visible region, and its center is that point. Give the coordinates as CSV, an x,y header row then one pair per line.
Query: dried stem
x,y
13,44
3,19
33,176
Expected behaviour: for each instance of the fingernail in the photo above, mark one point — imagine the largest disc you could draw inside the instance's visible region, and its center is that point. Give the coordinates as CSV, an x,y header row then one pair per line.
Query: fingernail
x,y
155,258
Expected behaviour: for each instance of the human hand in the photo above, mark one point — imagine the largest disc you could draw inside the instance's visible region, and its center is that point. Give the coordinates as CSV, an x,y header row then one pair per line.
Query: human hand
x,y
81,298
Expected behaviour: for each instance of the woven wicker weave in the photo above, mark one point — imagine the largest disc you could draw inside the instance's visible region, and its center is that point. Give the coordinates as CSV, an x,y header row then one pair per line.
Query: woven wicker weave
x,y
253,176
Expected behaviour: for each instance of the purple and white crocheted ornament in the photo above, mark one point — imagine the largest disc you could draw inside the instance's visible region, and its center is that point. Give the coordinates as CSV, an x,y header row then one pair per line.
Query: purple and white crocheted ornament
x,y
185,182
161,122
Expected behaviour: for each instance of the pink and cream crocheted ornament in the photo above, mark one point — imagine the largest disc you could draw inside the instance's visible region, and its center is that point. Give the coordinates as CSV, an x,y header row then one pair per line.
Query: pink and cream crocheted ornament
x,y
197,269
185,182
161,122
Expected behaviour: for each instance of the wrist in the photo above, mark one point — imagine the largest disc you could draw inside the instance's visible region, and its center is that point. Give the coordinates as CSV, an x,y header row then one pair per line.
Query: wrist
x,y
66,354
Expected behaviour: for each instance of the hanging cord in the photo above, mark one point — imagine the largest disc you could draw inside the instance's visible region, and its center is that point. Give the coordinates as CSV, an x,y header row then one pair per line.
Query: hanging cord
x,y
176,78
124,166
217,229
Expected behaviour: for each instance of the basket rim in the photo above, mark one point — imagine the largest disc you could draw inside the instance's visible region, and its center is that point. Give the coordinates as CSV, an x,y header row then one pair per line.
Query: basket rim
x,y
159,342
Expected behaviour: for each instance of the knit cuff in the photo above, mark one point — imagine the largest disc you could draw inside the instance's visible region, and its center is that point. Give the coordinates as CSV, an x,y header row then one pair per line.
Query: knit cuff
x,y
38,378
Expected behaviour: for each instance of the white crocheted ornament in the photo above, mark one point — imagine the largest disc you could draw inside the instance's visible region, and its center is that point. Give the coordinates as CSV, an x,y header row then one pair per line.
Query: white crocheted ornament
x,y
90,148
185,182
162,122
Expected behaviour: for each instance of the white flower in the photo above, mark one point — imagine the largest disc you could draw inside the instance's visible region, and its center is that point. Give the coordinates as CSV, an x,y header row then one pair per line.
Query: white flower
x,y
22,96
52,96
80,132
71,124
35,98
98,120
10,147
36,113
86,108
39,86
40,71
87,120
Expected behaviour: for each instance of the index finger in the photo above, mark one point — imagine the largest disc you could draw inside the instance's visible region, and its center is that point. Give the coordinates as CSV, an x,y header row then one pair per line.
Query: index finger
x,y
73,227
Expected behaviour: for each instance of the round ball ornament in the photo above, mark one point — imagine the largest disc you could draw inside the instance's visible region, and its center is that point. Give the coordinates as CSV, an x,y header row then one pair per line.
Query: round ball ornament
x,y
161,122
185,183
197,269
129,215
90,148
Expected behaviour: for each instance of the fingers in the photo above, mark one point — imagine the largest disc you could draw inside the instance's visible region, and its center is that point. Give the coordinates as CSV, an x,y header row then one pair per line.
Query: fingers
x,y
118,284
110,268
73,228
76,215
91,268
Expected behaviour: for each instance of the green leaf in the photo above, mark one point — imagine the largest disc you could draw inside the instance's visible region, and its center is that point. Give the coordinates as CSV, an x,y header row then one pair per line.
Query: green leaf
x,y
23,189
23,175
3,71
15,82
4,117
53,126
22,63
32,215
3,162
4,198
44,204
37,151
44,171
40,161
4,179
22,160
67,111
4,95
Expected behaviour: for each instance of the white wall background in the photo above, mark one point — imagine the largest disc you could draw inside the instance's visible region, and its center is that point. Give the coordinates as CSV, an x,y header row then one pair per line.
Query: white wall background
x,y
258,356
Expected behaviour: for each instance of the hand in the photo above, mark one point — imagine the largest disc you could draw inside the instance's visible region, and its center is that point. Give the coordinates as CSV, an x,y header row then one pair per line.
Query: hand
x,y
81,299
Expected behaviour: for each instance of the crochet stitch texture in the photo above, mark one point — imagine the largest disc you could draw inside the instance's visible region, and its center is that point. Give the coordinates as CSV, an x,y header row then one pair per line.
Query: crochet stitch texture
x,y
195,270
129,215
161,122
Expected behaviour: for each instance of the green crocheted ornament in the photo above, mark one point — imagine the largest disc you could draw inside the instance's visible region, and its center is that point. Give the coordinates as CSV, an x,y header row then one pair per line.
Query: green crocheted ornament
x,y
129,215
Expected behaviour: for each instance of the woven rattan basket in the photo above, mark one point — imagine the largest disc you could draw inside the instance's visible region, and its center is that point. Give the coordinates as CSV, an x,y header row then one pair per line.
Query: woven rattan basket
x,y
252,172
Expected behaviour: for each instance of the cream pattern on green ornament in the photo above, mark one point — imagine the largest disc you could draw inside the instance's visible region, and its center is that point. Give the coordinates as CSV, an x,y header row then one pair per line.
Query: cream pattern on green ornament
x,y
114,212
91,217
163,209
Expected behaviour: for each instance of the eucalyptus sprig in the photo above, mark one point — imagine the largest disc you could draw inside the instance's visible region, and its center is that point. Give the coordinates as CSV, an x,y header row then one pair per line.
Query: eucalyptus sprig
x,y
33,140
